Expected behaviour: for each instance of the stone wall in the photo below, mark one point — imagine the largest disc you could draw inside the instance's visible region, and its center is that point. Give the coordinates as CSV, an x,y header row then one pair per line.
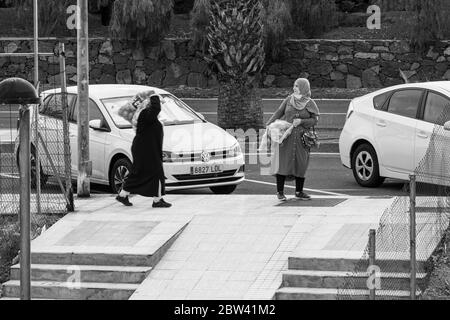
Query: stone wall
x,y
327,63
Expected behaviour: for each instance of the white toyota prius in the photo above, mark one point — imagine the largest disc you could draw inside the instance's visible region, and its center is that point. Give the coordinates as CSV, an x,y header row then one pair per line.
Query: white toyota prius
x,y
196,153
387,133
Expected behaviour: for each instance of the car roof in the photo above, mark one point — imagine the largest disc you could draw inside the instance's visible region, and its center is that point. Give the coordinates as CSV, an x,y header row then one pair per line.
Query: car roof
x,y
103,91
443,85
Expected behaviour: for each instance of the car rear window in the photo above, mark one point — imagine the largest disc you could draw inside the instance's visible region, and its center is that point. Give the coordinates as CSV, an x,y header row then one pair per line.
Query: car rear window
x,y
380,100
405,102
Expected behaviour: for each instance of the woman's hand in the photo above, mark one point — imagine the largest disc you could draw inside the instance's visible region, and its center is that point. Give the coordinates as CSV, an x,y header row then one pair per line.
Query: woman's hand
x,y
297,122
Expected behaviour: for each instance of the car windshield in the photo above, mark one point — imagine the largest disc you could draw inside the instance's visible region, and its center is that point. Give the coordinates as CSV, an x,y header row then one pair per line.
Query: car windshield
x,y
173,111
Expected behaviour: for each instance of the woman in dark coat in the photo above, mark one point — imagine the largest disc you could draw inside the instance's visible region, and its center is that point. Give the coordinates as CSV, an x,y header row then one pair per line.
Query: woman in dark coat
x,y
290,159
146,176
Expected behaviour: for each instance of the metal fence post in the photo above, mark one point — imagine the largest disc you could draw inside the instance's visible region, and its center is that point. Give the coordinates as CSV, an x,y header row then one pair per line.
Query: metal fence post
x,y
372,259
412,235
36,108
65,114
25,191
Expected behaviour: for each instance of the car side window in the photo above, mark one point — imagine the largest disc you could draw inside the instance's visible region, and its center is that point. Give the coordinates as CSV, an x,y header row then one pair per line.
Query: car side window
x,y
437,109
94,112
52,106
405,103
380,100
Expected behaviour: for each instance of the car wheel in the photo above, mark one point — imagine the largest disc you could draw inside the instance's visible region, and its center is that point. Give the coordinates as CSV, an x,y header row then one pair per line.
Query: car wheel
x,y
33,176
119,173
223,189
365,167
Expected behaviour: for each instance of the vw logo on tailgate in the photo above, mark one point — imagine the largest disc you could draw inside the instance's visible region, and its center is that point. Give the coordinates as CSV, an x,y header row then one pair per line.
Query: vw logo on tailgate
x,y
206,156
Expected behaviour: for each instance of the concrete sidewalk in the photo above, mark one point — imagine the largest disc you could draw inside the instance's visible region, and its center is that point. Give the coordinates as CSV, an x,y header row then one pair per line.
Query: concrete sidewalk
x,y
224,247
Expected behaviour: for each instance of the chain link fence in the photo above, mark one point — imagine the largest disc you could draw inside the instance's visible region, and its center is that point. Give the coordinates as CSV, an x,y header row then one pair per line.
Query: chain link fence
x,y
427,209
50,163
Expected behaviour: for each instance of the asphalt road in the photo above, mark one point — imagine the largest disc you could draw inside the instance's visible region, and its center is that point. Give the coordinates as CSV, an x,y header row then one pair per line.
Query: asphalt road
x,y
326,176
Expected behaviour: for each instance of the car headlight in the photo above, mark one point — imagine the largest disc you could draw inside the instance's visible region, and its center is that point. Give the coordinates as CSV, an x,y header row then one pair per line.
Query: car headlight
x,y
167,156
235,151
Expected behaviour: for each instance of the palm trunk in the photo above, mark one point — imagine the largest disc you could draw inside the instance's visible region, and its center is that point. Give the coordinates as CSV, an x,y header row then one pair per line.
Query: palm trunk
x,y
240,107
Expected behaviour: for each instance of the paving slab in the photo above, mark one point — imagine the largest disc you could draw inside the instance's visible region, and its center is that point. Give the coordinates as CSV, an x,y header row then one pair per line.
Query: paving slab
x,y
227,247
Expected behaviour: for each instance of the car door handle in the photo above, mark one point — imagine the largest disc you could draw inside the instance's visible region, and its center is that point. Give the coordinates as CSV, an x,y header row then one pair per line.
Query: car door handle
x,y
422,135
381,124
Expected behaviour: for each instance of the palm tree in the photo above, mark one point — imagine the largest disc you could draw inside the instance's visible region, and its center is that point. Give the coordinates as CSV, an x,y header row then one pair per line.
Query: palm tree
x,y
236,53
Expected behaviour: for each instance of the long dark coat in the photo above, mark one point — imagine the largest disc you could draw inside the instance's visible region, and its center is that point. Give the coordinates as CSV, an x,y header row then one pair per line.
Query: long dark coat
x,y
147,170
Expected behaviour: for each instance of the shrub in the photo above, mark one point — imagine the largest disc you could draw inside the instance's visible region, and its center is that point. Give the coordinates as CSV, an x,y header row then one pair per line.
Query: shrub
x,y
183,6
52,13
314,17
277,23
431,23
9,247
353,5
200,16
141,20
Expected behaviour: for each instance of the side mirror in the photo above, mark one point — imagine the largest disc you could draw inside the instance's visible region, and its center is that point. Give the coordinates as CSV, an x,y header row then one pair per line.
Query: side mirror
x,y
447,126
97,125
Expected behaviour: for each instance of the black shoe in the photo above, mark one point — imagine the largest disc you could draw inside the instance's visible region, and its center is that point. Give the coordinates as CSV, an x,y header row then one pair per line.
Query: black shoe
x,y
124,200
161,204
281,196
302,196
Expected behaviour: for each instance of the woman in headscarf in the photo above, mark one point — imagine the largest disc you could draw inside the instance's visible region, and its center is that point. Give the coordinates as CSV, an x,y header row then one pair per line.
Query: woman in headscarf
x,y
290,159
146,176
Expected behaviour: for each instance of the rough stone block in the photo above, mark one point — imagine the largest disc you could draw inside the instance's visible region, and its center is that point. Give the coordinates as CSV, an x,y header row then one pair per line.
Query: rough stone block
x,y
353,82
124,77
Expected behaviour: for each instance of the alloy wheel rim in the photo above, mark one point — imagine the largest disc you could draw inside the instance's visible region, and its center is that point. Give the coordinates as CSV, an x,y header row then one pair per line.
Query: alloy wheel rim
x,y
120,176
364,165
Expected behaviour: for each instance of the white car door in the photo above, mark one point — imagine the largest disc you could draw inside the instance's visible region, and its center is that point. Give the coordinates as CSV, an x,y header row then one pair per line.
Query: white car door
x,y
97,140
395,130
431,140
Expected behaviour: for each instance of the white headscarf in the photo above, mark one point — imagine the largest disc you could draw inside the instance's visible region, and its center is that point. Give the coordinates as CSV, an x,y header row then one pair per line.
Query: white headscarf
x,y
302,94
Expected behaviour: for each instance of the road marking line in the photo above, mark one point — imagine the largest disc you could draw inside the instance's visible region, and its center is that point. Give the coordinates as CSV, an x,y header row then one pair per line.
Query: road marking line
x,y
307,189
334,154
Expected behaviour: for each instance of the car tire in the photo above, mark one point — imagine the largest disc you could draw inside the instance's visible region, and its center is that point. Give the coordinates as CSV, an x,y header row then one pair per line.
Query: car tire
x,y
366,169
224,189
44,177
119,172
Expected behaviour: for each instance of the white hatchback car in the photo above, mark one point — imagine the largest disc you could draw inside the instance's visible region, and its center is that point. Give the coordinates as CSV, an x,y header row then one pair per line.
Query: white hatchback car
x,y
196,153
387,132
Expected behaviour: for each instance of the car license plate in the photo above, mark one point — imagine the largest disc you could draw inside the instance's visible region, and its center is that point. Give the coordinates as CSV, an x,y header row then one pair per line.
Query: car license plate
x,y
206,169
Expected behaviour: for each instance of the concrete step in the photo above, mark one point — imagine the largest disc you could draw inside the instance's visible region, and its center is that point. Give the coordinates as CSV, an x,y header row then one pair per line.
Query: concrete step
x,y
81,291
337,279
332,294
106,274
344,264
98,259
